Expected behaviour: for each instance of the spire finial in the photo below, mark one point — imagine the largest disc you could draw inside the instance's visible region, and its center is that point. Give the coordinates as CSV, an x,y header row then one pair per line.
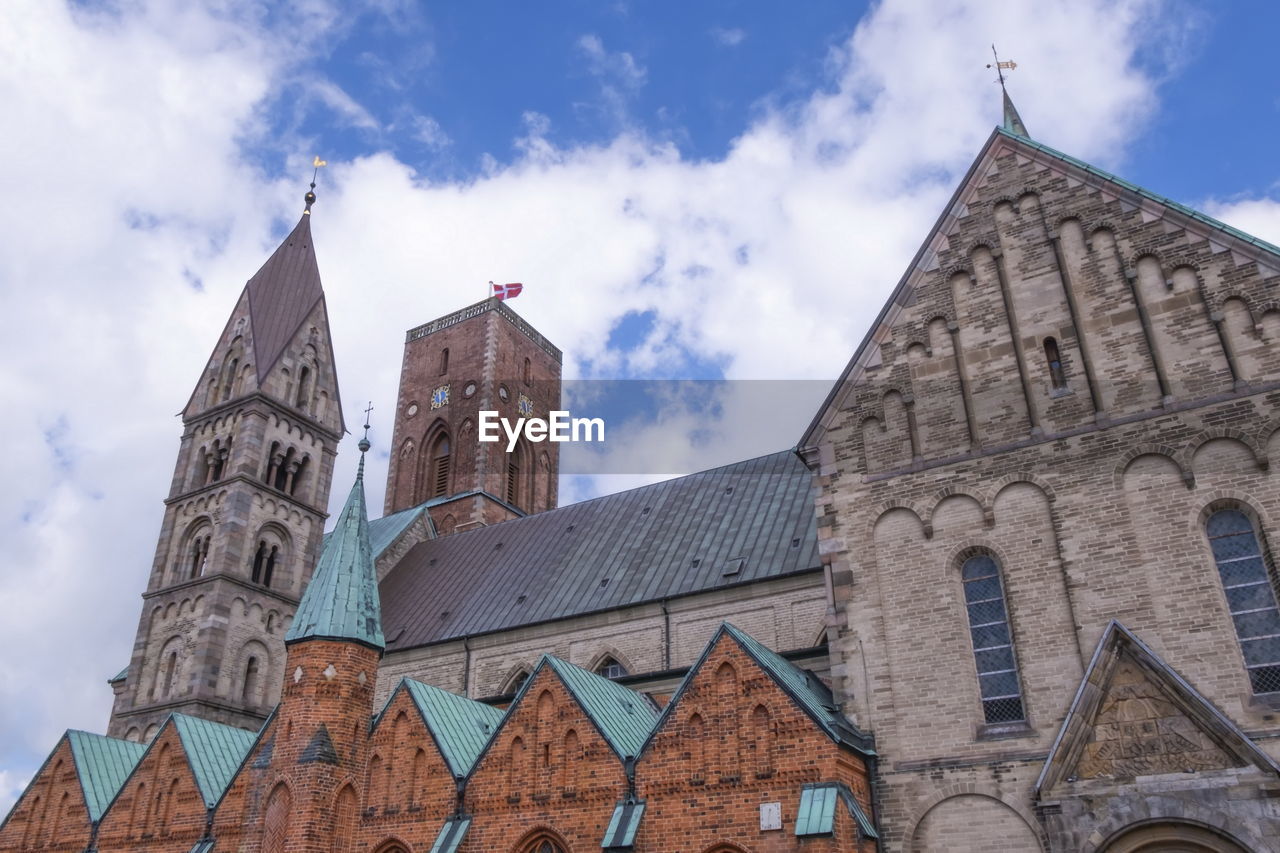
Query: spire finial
x,y
1012,122
364,444
310,197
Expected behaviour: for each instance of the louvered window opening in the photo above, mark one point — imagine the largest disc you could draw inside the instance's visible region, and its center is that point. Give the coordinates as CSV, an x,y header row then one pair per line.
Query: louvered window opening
x,y
440,476
992,642
1251,598
513,477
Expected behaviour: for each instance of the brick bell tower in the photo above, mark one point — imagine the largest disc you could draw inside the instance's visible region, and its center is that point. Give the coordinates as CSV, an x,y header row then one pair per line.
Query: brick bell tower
x,y
485,357
246,508
319,736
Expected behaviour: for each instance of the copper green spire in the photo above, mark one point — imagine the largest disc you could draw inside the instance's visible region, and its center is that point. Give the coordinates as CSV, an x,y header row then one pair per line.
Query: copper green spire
x,y
341,601
1012,121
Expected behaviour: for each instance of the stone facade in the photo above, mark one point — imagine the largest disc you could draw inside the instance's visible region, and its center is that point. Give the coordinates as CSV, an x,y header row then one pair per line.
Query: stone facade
x,y
1070,381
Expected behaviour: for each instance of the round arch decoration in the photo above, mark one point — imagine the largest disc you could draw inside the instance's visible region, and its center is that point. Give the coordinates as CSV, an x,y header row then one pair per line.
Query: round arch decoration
x,y
392,845
725,848
962,789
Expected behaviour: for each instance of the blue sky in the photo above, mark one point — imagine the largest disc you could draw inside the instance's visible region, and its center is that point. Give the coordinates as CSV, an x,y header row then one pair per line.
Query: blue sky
x,y
686,189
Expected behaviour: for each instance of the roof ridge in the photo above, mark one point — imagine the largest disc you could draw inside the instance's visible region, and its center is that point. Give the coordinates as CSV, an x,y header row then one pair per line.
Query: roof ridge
x,y
625,741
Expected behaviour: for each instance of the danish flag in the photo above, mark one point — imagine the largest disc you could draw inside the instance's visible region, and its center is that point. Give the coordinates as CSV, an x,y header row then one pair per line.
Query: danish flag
x,y
506,291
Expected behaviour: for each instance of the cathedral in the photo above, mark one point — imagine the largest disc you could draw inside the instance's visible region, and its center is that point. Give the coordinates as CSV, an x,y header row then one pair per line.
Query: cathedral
x,y
1011,590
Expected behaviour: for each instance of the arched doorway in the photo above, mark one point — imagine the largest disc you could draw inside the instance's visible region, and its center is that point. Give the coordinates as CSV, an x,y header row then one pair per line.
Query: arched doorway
x,y
1172,838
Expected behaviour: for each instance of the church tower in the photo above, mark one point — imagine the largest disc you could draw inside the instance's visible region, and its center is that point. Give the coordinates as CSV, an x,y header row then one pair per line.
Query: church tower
x,y
485,357
246,508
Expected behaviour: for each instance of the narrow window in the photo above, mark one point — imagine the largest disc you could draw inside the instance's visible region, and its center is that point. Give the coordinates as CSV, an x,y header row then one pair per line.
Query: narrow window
x,y
528,371
170,670
610,668
1250,596
444,361
259,560
440,467
229,378
270,566
513,481
1054,358
249,690
304,388
992,642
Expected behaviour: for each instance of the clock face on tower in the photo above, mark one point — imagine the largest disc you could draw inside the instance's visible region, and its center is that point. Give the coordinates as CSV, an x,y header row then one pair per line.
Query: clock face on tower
x,y
440,397
525,406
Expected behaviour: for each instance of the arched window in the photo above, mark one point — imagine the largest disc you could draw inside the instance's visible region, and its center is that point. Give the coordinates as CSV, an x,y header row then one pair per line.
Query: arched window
x,y
249,688
1053,358
346,820
992,642
198,555
541,841
270,566
516,681
528,372
229,378
1250,596
444,361
513,478
610,668
762,741
259,560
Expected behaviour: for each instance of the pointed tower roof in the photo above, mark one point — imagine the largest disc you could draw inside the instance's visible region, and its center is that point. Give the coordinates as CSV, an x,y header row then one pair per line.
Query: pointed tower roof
x,y
341,601
283,293
1012,122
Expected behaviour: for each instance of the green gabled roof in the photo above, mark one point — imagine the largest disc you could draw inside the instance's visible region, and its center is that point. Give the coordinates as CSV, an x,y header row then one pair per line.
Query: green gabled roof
x,y
461,727
805,688
1145,193
214,751
623,716
119,676
102,764
383,532
341,601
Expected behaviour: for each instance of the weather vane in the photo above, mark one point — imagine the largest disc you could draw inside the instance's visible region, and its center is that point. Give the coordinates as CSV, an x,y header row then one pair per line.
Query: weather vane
x,y
317,163
999,66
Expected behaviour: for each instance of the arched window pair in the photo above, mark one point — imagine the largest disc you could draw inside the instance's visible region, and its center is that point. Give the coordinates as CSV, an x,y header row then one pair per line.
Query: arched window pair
x,y
1251,597
286,468
198,555
264,563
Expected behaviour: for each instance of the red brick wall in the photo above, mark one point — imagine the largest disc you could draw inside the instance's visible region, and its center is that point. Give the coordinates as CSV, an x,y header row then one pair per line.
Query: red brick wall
x,y
160,807
51,814
527,778
716,759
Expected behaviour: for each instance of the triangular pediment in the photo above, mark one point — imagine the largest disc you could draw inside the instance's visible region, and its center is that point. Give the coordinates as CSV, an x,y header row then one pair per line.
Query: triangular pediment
x,y
1135,716
945,249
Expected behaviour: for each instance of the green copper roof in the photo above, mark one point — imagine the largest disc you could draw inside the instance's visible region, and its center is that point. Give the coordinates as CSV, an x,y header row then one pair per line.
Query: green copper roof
x,y
451,835
214,752
461,727
119,676
103,764
621,834
806,689
1145,193
1012,121
341,601
623,716
383,532
817,813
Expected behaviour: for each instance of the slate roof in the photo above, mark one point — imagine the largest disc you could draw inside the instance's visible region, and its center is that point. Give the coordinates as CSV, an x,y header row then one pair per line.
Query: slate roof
x,y
214,751
341,601
461,727
660,541
281,295
102,764
624,717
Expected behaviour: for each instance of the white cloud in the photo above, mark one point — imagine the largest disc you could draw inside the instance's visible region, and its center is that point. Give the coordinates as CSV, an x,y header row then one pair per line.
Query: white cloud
x,y
728,36
128,165
1257,216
